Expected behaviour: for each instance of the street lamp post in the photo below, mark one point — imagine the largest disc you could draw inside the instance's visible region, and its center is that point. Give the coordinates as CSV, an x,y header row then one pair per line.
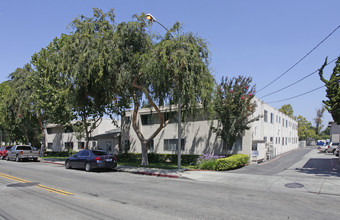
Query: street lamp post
x,y
179,144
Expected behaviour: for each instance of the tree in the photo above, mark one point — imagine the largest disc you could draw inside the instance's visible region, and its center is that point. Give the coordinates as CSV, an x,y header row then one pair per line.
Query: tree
x,y
162,71
333,91
318,120
305,129
88,59
325,134
288,110
50,87
234,107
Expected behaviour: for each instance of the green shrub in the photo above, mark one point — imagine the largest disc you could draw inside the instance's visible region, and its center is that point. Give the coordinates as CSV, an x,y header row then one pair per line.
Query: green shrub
x,y
208,165
57,154
157,158
232,162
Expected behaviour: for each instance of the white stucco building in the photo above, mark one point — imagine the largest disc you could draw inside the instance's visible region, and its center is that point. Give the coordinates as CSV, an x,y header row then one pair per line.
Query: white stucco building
x,y
273,134
105,137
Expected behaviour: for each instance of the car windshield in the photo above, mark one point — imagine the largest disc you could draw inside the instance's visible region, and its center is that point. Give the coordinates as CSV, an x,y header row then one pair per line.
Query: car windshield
x,y
99,153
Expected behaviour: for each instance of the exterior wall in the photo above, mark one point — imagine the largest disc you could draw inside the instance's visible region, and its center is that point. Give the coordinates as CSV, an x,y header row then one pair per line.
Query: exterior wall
x,y
265,137
335,132
56,137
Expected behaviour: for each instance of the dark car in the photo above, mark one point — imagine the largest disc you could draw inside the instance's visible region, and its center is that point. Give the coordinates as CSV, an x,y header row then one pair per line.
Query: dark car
x,y
91,159
3,151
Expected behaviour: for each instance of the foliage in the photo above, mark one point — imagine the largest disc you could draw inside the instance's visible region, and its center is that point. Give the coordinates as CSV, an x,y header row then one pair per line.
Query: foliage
x,y
288,110
325,134
162,71
207,162
234,107
333,90
305,129
318,120
158,158
233,162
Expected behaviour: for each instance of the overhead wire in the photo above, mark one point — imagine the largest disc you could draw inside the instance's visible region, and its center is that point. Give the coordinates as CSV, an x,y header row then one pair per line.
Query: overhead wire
x,y
298,95
300,59
279,90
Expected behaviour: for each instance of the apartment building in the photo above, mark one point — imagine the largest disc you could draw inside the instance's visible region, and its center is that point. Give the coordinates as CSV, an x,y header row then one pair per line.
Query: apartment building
x,y
273,134
105,137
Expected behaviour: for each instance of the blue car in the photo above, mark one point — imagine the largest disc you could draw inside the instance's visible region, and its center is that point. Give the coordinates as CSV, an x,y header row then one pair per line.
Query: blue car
x,y
91,159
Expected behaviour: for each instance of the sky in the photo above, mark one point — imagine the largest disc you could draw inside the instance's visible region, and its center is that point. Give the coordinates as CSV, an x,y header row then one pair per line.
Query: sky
x,y
261,39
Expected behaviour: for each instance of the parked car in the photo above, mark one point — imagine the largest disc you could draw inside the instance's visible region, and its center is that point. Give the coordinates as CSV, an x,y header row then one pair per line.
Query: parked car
x,y
20,152
332,147
91,159
3,151
323,148
336,152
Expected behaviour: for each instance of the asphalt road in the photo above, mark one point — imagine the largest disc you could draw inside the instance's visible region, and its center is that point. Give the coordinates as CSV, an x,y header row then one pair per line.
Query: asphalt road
x,y
32,190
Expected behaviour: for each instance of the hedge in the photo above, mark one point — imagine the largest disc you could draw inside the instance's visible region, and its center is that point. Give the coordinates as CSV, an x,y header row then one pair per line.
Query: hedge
x,y
232,162
158,158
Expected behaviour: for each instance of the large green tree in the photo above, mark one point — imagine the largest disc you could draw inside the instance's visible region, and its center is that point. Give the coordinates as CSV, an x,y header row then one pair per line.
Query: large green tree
x,y
305,129
162,71
234,106
50,87
288,110
333,90
88,56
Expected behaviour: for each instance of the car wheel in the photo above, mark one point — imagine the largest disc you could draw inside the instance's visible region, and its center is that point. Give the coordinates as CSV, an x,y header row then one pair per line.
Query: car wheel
x,y
17,159
68,165
88,167
7,158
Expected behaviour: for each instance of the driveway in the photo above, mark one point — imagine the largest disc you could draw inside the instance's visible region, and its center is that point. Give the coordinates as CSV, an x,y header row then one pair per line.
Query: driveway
x,y
304,170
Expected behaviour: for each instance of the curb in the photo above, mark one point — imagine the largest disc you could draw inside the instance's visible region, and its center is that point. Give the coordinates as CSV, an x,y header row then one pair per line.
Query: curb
x,y
154,174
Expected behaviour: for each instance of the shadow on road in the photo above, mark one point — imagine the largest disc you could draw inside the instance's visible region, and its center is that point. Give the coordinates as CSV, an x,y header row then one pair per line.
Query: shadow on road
x,y
321,167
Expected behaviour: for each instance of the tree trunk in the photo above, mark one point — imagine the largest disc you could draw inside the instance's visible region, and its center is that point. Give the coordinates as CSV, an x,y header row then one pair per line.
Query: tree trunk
x,y
42,130
145,160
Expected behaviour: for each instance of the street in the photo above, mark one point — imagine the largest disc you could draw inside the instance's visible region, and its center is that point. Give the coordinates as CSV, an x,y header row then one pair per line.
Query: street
x,y
302,184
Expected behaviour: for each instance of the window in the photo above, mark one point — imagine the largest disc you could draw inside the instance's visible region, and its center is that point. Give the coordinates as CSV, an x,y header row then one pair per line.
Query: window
x,y
265,115
49,145
271,139
146,119
283,122
286,140
276,140
283,141
81,145
126,145
265,139
272,118
172,116
94,144
172,144
69,145
277,119
286,123
68,129
108,146
85,153
127,120
149,146
49,131
237,146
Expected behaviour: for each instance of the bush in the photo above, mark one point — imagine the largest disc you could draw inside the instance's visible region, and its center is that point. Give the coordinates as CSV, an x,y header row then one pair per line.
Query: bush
x,y
208,165
157,158
232,162
57,154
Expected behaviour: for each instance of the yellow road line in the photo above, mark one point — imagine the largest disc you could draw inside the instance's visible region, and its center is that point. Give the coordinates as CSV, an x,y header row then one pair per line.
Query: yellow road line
x,y
62,192
55,190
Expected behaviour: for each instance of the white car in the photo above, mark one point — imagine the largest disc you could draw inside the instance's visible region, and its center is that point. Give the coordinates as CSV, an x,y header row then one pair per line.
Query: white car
x,y
323,148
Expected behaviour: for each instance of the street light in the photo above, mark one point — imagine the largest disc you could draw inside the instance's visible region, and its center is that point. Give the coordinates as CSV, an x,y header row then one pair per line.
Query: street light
x,y
179,144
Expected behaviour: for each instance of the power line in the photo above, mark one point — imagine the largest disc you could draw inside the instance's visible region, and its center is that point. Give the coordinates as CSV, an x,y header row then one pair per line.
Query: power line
x,y
298,95
296,81
300,59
